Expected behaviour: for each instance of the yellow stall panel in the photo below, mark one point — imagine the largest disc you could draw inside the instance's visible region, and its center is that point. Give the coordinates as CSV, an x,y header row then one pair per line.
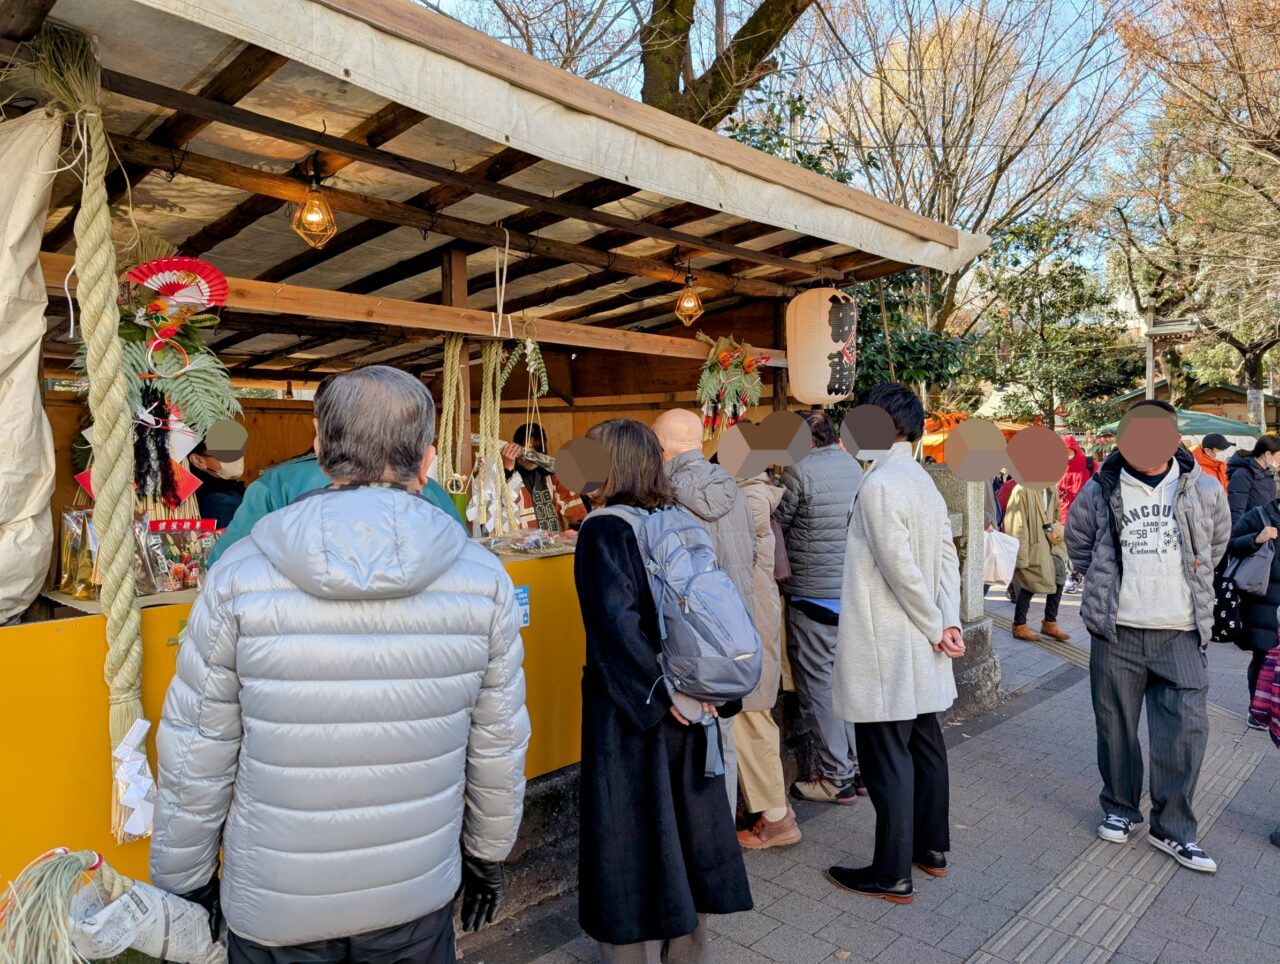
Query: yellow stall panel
x,y
56,753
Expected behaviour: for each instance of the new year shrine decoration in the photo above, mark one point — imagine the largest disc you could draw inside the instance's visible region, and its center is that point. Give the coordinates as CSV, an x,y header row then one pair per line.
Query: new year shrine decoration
x,y
175,386
822,340
729,385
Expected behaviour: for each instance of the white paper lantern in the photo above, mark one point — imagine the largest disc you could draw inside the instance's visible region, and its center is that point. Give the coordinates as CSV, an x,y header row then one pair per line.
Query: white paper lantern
x,y
822,338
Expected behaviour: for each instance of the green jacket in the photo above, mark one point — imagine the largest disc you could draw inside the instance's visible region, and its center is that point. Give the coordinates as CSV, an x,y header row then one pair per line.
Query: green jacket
x,y
281,484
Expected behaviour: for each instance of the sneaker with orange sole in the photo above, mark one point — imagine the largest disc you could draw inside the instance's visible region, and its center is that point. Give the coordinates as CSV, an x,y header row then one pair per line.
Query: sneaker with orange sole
x,y
776,833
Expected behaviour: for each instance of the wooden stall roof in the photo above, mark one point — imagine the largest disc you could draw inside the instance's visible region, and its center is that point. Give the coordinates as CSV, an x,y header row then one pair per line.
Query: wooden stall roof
x,y
445,155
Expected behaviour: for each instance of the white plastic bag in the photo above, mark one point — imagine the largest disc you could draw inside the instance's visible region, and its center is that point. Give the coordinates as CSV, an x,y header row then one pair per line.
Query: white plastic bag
x,y
1001,557
144,919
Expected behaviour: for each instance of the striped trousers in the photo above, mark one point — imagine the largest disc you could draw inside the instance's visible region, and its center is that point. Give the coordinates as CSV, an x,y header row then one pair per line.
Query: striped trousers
x,y
1169,671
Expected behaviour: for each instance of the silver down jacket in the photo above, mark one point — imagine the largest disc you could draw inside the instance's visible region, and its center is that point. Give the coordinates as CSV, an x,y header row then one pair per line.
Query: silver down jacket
x,y
347,715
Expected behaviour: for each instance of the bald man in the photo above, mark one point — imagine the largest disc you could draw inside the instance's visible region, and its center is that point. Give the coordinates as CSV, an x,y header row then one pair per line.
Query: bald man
x,y
712,495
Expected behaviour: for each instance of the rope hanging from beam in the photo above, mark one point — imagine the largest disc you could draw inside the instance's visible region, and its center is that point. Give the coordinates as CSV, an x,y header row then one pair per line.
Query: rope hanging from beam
x,y
66,67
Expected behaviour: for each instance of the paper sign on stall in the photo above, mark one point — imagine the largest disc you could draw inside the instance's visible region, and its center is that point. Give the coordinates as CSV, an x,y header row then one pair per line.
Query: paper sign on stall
x,y
522,601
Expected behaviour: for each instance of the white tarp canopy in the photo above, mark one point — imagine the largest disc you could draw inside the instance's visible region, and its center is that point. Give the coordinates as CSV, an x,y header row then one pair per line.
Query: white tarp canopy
x,y
449,72
28,156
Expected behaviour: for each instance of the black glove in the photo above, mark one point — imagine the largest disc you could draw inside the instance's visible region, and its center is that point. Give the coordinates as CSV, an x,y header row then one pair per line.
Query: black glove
x,y
483,888
207,897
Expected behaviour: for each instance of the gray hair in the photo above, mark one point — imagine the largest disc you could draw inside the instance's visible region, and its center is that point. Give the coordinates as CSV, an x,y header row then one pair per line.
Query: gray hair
x,y
374,424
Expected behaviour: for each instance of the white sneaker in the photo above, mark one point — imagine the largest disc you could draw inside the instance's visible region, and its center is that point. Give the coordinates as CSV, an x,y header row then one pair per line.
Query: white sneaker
x,y
1115,829
1189,854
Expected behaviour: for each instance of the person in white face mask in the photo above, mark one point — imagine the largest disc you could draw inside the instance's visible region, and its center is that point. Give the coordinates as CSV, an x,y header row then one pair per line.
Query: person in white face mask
x,y
1211,454
218,462
1250,482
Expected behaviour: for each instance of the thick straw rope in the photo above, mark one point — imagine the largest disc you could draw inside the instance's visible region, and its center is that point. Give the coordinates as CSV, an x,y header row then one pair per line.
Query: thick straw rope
x,y
453,417
490,441
35,914
112,471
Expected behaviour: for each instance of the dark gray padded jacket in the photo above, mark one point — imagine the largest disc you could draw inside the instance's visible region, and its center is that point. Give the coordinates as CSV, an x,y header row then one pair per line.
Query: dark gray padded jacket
x,y
814,516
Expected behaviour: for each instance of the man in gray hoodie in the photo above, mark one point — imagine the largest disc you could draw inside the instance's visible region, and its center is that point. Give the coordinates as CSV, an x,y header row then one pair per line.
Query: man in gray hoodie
x,y
1147,531
711,494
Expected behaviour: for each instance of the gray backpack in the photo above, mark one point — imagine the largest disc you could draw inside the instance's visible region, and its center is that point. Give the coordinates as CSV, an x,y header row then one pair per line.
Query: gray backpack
x,y
710,647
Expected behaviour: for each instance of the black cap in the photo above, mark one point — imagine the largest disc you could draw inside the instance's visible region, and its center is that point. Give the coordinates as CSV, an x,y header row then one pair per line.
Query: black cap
x,y
1215,441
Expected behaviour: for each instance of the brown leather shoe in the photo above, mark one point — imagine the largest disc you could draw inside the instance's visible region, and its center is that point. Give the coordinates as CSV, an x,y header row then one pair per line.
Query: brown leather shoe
x,y
779,833
1052,630
1025,632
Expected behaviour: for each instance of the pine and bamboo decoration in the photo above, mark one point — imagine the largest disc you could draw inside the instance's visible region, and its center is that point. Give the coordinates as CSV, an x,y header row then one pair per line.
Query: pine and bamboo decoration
x,y
65,67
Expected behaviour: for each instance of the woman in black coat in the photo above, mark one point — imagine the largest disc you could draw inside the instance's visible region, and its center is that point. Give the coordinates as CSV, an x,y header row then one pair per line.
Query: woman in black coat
x,y
1253,530
657,844
1249,480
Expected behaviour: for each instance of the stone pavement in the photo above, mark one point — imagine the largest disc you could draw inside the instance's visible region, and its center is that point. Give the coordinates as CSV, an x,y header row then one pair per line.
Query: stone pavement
x,y
1030,881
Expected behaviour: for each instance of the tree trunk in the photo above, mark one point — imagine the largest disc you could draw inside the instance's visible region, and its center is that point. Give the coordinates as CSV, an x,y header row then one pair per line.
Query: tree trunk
x,y
1251,369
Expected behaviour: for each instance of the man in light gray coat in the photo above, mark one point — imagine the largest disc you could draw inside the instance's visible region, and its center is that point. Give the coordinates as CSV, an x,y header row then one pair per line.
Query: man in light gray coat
x,y
347,723
711,494
814,517
899,632
1148,531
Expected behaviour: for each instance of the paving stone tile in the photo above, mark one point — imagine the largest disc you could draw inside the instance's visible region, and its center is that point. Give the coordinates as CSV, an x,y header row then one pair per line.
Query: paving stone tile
x,y
726,951
1143,946
790,945
1177,929
799,910
767,863
745,928
765,892
554,957
964,940
806,880
1231,947
1240,922
908,950
863,938
922,923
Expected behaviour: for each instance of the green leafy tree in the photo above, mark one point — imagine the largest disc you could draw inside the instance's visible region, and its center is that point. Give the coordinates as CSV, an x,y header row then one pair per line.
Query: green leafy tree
x,y
1051,337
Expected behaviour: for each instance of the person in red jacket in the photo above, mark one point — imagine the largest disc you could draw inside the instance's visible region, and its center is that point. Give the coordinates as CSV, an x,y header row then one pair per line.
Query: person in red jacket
x,y
1080,469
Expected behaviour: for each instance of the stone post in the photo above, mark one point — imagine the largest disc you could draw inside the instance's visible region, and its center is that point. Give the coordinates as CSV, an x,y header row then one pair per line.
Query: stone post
x,y
978,671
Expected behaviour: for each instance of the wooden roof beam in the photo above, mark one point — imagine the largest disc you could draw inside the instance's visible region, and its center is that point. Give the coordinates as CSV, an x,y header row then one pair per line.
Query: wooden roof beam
x,y
593,192
246,120
245,294
501,165
20,20
385,125
291,189
246,71
303,344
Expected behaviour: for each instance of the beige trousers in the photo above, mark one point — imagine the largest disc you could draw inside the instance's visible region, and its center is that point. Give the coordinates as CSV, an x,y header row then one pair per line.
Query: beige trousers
x,y
757,740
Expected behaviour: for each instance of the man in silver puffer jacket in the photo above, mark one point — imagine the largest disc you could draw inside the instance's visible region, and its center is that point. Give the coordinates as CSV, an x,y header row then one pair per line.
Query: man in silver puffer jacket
x,y
347,722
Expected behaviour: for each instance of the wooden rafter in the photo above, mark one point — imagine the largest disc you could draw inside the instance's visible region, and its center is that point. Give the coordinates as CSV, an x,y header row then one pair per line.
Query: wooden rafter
x,y
246,71
253,122
527,221
244,294
304,344
501,165
20,20
290,189
385,125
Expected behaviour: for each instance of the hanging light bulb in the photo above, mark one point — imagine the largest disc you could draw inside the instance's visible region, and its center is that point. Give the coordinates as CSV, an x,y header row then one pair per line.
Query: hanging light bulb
x,y
689,304
313,218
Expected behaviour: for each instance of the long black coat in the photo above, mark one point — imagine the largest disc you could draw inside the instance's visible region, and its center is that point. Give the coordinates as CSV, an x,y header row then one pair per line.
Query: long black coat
x,y
1258,612
1248,485
657,840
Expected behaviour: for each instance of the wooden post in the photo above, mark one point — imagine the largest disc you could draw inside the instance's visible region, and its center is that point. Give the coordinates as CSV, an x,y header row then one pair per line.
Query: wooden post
x,y
1151,354
781,383
453,292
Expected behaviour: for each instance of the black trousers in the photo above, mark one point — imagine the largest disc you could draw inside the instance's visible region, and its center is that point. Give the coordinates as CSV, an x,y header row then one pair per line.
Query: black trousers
x,y
427,940
1023,603
904,764
1255,670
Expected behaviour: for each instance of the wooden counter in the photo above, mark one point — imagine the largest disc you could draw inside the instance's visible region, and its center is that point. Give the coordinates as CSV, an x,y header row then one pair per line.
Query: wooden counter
x,y
53,713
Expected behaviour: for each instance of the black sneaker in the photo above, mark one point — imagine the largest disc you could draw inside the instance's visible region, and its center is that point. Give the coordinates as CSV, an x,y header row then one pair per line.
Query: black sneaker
x,y
1188,854
862,880
859,787
1115,829
1275,838
1256,724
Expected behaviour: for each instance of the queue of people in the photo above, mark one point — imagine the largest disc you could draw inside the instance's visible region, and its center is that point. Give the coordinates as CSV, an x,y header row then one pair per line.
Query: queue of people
x,y
332,785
